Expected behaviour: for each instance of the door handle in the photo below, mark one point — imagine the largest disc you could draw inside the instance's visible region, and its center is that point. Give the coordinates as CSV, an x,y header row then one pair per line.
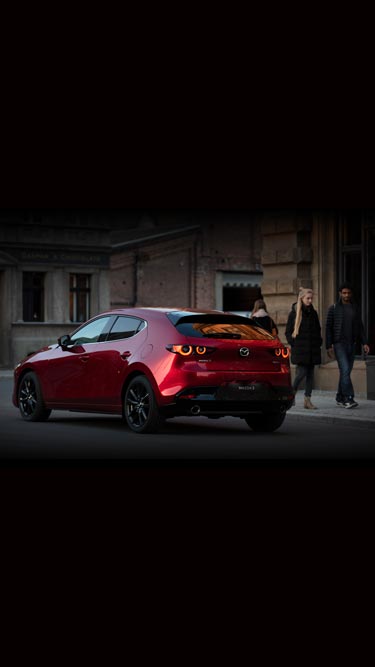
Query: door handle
x,y
85,358
125,355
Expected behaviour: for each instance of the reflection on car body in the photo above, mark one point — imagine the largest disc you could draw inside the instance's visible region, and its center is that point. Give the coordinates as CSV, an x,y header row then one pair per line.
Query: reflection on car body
x,y
150,364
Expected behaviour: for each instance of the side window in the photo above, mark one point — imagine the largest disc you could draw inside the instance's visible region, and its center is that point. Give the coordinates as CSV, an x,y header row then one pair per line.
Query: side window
x,y
125,327
91,332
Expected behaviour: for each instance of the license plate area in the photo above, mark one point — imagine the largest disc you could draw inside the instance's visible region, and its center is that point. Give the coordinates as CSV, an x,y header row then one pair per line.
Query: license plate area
x,y
243,391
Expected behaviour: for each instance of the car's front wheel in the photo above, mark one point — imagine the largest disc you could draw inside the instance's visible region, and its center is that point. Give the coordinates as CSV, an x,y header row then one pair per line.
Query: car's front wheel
x,y
266,422
30,399
140,407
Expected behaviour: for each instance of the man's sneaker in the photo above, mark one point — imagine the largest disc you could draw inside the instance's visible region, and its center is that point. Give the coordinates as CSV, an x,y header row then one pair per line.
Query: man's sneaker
x,y
349,403
340,402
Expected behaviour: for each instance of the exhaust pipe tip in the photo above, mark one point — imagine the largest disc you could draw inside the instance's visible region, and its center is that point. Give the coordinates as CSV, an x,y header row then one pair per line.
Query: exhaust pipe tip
x,y
195,410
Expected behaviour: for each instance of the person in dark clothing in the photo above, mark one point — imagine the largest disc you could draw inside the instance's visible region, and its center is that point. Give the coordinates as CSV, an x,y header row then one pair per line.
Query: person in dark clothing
x,y
303,333
344,328
262,318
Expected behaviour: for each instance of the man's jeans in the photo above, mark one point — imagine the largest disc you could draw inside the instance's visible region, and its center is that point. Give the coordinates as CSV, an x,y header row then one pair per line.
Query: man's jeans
x,y
345,358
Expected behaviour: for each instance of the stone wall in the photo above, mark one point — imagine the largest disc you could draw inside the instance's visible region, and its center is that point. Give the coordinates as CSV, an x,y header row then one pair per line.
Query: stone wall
x,y
182,271
287,257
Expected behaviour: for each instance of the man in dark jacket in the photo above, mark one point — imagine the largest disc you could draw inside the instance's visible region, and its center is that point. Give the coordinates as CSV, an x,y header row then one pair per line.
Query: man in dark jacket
x,y
344,328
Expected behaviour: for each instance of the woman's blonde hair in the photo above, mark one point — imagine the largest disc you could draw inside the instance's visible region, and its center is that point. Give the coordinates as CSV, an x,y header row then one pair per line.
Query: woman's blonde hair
x,y
303,291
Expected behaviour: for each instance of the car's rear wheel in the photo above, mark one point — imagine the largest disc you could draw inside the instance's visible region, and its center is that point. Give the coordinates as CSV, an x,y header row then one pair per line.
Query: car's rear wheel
x,y
140,407
266,422
30,399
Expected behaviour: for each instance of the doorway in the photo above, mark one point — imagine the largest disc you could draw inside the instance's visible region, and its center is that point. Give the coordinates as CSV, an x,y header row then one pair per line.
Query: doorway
x,y
237,292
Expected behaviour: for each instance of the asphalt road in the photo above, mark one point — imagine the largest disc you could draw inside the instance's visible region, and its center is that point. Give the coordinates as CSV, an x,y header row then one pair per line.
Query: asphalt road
x,y
198,477
69,436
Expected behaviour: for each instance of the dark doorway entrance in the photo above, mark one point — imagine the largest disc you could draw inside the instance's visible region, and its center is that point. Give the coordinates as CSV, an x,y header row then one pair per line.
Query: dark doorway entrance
x,y
240,298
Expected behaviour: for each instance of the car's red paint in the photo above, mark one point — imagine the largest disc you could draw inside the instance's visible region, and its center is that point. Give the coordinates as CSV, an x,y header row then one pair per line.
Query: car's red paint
x,y
95,372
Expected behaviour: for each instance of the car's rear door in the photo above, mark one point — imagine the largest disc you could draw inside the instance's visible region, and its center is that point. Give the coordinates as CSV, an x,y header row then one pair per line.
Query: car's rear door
x,y
109,361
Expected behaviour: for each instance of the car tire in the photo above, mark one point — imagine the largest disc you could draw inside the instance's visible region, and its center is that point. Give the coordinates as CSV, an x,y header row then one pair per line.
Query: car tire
x,y
265,423
30,399
140,407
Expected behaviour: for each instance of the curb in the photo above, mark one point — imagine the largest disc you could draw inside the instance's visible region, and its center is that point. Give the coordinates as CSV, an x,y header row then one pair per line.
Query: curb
x,y
360,422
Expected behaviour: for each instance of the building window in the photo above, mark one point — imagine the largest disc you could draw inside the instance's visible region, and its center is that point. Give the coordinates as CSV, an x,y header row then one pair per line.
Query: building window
x,y
79,297
370,301
356,234
352,227
33,296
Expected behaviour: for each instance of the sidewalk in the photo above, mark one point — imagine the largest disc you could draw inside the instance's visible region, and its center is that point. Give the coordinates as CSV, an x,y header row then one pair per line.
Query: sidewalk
x,y
328,411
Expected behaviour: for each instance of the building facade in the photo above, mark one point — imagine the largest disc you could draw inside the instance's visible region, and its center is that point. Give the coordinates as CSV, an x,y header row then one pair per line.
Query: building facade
x,y
205,260
54,274
228,259
320,248
57,268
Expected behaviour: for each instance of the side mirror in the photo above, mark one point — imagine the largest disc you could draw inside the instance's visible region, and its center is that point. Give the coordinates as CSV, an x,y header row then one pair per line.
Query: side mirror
x,y
65,341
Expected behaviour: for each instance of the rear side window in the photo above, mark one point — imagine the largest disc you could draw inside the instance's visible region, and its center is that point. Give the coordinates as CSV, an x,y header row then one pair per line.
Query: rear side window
x,y
125,327
219,326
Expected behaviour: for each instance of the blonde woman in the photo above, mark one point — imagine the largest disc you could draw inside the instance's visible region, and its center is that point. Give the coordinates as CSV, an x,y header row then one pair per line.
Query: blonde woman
x,y
303,333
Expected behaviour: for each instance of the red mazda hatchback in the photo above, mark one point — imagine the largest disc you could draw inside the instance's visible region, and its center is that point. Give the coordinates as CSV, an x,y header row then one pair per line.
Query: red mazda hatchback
x,y
150,364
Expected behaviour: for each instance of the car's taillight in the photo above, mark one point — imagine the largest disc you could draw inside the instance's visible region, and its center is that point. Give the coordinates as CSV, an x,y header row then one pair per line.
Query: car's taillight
x,y
188,350
282,352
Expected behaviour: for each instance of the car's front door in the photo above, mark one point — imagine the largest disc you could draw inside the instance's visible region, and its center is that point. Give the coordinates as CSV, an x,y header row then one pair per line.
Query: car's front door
x,y
71,368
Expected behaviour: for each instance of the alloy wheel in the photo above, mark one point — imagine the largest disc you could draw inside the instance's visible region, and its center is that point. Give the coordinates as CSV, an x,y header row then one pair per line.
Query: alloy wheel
x,y
137,405
140,406
28,398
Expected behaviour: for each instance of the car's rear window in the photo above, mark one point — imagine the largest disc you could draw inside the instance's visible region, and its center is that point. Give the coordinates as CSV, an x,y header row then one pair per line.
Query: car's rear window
x,y
218,326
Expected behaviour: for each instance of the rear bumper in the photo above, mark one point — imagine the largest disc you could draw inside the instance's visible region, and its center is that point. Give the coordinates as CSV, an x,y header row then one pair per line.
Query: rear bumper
x,y
232,399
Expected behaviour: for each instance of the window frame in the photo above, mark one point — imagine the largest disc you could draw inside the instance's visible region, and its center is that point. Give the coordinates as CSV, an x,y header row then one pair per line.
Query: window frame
x,y
28,290
74,294
361,250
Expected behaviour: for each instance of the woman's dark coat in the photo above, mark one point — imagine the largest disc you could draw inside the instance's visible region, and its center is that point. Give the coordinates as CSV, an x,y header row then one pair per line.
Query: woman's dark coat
x,y
306,346
266,322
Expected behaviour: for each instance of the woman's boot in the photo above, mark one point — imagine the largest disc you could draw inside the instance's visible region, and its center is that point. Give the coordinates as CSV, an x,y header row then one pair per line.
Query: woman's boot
x,y
308,405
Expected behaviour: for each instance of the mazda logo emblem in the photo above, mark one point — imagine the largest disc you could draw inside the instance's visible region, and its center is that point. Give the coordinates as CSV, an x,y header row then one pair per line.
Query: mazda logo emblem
x,y
244,351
